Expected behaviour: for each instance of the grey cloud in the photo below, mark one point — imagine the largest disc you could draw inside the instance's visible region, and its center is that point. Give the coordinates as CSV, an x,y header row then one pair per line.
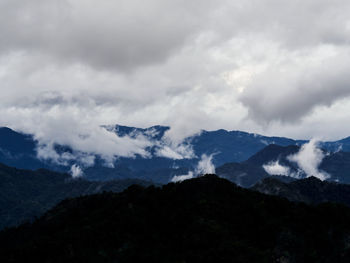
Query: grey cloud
x,y
107,35
67,67
289,92
293,24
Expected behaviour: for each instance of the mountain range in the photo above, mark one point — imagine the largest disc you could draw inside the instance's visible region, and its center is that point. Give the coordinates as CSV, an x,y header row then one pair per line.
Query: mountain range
x,y
26,194
336,165
20,150
33,185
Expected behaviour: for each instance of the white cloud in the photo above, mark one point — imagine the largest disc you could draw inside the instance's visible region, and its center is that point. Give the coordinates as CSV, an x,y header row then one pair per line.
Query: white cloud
x,y
204,166
267,66
76,171
275,168
180,178
309,159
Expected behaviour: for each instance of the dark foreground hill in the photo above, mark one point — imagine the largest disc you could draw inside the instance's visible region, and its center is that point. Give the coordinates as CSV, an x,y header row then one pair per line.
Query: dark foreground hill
x,y
26,194
207,219
309,190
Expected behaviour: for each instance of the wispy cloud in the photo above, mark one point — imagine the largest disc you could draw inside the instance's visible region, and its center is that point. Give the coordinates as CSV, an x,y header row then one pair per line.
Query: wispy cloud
x,y
275,168
76,171
309,159
204,166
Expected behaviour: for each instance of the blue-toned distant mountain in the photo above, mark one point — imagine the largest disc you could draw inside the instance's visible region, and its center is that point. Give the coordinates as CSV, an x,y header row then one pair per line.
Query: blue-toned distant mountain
x,y
335,164
19,150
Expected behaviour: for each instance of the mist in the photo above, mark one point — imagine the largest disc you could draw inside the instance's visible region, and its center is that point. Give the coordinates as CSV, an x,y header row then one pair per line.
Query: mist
x,y
204,166
309,159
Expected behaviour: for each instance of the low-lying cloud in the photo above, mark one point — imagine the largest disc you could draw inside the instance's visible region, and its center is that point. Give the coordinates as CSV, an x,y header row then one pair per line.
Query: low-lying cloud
x,y
204,166
76,171
309,159
275,168
105,143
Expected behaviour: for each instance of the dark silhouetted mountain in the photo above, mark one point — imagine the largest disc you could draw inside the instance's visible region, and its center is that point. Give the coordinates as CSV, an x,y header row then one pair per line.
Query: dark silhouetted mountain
x,y
206,219
309,190
26,194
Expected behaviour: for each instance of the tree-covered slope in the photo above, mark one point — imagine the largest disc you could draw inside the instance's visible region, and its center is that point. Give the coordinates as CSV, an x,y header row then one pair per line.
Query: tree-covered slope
x,y
207,219
26,194
309,190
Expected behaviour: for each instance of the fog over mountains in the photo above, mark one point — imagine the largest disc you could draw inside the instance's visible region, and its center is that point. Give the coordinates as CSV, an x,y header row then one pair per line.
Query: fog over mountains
x,y
203,102
162,160
69,66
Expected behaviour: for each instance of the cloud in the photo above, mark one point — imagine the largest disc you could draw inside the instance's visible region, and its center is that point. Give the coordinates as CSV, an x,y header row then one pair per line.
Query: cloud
x,y
309,159
180,178
275,168
111,35
288,92
178,152
48,152
76,171
204,166
86,138
267,66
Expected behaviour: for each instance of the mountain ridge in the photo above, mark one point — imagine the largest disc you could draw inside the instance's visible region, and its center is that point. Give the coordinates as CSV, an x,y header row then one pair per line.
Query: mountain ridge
x,y
224,146
26,194
207,219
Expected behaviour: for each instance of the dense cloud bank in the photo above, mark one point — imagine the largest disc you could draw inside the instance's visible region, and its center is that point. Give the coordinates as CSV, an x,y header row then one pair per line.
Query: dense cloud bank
x,y
267,66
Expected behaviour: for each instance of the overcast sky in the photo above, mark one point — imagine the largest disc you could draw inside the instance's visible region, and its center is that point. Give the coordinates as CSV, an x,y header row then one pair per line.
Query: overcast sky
x,y
275,67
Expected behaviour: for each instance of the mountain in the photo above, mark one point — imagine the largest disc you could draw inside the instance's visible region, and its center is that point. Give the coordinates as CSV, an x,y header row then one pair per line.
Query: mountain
x,y
341,145
251,171
335,164
26,194
20,150
273,152
206,219
309,190
243,174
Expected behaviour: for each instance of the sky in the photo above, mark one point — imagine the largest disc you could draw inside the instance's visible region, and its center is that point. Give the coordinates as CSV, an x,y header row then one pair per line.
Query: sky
x,y
274,67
